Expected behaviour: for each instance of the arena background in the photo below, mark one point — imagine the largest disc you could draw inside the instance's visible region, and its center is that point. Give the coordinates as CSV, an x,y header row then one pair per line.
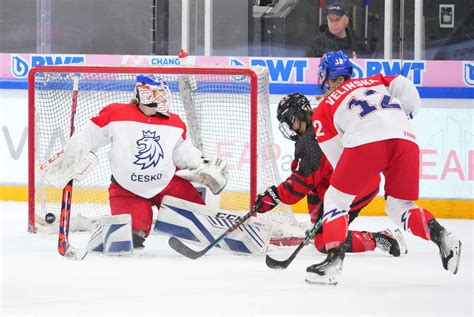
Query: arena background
x,y
444,125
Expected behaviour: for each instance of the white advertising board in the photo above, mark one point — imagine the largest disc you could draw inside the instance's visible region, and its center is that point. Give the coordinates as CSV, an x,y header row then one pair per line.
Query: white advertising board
x,y
444,130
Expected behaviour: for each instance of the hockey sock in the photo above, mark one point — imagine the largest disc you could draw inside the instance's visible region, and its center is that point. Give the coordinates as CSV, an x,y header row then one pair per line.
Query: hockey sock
x,y
416,221
356,241
362,241
335,232
319,243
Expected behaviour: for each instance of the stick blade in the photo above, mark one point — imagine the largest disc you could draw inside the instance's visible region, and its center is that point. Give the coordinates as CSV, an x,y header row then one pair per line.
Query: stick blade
x,y
183,249
75,254
275,264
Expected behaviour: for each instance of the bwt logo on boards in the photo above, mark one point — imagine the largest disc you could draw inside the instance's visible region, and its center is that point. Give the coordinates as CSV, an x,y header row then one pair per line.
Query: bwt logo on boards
x,y
284,70
357,71
234,61
21,67
468,73
392,68
281,70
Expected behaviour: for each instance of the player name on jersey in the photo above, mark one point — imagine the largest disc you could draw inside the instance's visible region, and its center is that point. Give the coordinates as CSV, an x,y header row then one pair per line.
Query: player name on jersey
x,y
339,92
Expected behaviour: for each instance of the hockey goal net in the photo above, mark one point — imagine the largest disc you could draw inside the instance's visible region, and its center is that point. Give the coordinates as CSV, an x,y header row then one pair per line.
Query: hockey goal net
x,y
227,112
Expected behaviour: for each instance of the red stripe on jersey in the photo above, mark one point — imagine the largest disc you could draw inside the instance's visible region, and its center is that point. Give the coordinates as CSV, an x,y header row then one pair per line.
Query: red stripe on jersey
x,y
388,79
129,112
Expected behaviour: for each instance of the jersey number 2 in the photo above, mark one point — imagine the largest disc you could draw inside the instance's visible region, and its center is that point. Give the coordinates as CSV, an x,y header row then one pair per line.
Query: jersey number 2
x,y
318,126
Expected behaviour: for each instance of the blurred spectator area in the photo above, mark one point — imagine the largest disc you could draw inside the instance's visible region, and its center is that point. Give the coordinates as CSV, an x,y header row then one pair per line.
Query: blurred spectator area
x,y
239,27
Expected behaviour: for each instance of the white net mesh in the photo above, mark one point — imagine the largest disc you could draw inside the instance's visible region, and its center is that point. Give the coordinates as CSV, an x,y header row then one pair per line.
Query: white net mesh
x,y
216,109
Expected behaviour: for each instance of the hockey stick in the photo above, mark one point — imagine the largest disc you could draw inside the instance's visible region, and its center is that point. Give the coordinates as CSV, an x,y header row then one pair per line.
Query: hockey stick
x,y
275,264
64,248
183,249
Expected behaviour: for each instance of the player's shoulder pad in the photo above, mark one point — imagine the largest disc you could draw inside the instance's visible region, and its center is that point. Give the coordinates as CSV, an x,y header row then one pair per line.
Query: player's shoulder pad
x,y
113,110
175,120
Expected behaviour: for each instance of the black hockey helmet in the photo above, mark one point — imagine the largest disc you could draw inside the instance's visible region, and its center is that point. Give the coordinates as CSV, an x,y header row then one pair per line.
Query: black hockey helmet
x,y
292,107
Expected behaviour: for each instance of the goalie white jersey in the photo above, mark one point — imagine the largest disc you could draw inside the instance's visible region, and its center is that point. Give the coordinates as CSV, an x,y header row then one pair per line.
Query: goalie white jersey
x,y
145,151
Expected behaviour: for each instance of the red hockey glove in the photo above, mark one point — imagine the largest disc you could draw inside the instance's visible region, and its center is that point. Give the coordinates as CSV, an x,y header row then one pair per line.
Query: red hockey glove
x,y
267,200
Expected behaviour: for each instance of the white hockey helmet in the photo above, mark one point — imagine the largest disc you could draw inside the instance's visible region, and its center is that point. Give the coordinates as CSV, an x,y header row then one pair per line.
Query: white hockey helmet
x,y
153,92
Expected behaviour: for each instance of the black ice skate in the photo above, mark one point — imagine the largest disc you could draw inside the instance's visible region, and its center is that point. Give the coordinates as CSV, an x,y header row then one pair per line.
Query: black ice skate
x,y
138,238
327,272
391,242
449,246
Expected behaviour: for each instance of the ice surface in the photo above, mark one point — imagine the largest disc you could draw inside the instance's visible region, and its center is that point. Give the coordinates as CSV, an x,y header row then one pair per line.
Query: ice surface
x,y
37,280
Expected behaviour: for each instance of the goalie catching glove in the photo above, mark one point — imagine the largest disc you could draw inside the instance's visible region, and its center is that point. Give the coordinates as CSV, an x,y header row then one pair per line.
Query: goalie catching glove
x,y
267,200
75,160
212,173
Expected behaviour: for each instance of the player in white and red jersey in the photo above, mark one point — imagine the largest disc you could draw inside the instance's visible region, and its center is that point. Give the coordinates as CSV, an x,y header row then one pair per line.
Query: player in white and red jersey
x,y
362,127
148,145
310,176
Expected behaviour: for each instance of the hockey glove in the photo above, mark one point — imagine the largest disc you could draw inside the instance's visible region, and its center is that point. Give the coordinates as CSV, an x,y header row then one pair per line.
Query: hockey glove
x,y
74,161
267,200
212,173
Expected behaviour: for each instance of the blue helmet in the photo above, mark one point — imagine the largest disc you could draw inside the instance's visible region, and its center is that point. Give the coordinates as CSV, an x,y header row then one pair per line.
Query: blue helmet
x,y
332,65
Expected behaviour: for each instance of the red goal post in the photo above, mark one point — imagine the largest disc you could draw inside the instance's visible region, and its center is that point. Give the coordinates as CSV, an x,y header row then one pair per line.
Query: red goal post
x,y
226,109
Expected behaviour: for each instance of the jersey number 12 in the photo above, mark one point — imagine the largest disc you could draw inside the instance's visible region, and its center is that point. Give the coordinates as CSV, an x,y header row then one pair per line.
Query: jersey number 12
x,y
368,108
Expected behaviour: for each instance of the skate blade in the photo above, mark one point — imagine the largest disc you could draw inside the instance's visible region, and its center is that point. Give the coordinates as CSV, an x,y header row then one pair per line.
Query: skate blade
x,y
315,279
75,254
453,263
401,241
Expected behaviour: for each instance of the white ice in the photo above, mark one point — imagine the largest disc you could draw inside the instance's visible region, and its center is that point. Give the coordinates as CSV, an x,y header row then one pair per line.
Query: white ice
x,y
36,280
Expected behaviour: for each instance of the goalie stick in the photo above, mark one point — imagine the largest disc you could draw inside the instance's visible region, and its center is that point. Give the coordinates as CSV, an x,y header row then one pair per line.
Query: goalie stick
x,y
64,248
183,249
275,264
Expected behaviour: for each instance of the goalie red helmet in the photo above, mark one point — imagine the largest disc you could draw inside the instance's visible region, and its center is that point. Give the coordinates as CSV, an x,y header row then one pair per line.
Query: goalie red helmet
x,y
291,108
154,93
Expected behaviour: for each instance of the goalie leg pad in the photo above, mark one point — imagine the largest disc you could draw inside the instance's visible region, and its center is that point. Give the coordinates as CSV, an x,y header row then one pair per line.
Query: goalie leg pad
x,y
113,235
197,223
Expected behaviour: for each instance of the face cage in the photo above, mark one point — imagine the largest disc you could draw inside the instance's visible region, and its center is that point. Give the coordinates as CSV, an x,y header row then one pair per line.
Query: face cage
x,y
160,101
163,106
287,131
323,80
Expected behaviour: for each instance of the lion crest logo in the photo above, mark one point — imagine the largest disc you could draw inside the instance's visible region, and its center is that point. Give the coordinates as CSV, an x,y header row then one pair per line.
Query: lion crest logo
x,y
149,150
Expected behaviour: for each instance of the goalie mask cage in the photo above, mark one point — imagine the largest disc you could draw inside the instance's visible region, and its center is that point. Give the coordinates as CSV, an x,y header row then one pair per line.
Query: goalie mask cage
x,y
226,110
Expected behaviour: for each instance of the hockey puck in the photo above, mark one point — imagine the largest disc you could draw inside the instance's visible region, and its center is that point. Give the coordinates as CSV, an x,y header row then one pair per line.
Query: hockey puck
x,y
50,217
